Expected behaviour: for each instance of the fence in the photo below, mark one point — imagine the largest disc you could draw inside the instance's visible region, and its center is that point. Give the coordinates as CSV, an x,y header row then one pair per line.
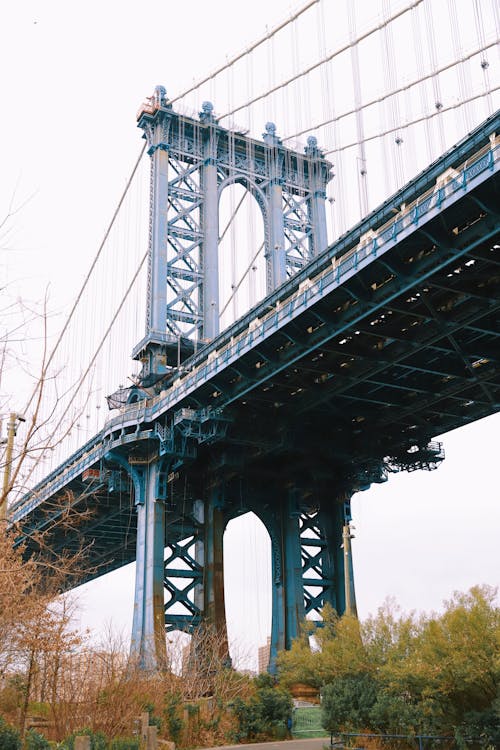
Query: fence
x,y
306,722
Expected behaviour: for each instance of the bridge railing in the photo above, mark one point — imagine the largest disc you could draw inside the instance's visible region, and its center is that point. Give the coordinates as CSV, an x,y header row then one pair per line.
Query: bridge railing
x,y
335,274
220,352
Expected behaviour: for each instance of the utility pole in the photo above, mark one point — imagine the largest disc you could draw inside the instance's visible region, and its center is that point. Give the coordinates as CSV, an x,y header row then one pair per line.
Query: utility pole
x,y
9,441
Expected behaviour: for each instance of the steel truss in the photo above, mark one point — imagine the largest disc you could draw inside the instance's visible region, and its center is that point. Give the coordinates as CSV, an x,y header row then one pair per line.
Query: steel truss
x,y
192,161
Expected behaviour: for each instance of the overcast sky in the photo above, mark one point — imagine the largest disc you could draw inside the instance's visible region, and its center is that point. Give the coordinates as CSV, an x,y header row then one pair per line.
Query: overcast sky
x,y
72,79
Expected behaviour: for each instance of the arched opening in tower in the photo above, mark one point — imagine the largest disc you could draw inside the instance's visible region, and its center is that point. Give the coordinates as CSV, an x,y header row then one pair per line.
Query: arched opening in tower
x,y
242,267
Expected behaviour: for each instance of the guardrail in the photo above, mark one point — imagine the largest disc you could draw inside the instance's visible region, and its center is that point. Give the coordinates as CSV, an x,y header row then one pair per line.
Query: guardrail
x,y
218,355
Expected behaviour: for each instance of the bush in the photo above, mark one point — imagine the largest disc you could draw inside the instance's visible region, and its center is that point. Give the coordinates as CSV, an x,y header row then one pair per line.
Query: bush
x,y
174,723
348,701
97,740
35,741
264,714
9,737
124,743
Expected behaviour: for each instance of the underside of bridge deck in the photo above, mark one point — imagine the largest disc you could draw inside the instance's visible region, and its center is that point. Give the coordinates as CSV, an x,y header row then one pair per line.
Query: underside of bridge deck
x,y
355,387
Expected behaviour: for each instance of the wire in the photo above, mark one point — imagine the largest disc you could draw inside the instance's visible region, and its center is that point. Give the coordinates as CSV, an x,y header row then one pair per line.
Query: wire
x,y
399,90
240,282
89,274
246,51
320,62
414,122
94,357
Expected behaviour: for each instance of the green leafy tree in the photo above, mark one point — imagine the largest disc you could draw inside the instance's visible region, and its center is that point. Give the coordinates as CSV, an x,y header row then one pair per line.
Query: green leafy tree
x,y
339,651
172,714
348,701
396,673
457,660
393,713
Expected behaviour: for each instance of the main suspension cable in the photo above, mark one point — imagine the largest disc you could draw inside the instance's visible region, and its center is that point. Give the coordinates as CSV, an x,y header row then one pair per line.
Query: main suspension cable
x,y
89,274
405,125
240,55
394,92
318,63
104,337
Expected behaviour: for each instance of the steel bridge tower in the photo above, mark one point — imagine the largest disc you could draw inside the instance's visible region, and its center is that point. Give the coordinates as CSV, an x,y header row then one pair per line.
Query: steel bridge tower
x,y
180,533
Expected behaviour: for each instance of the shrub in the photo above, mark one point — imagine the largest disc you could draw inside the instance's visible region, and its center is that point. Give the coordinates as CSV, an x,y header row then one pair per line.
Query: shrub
x,y
264,714
174,723
124,743
97,740
35,741
9,737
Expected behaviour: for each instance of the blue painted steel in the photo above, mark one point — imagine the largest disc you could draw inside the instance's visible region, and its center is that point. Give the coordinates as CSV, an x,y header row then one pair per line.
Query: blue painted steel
x,y
210,283
282,523
148,647
191,162
302,321
243,335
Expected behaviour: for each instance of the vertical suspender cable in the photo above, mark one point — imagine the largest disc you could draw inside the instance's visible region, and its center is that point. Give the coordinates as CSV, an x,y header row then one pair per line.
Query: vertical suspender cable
x,y
478,16
438,98
361,166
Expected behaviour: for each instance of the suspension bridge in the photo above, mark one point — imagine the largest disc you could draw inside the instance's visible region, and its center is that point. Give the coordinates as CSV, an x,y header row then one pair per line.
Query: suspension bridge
x,y
295,356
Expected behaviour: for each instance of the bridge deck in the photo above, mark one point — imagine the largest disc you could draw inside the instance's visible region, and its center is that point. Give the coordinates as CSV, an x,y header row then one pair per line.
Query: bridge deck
x,y
381,343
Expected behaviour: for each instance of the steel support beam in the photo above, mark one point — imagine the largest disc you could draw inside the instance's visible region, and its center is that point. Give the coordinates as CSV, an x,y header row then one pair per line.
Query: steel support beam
x,y
214,606
148,648
210,248
287,597
317,200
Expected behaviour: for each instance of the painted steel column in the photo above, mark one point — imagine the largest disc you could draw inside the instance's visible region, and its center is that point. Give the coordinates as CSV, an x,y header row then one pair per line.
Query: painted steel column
x,y
350,594
318,178
294,590
287,596
276,251
148,649
317,213
331,522
278,596
214,605
199,554
157,261
275,231
210,263
209,304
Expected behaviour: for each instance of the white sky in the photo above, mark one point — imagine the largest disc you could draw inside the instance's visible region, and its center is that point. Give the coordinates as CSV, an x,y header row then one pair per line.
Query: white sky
x,y
73,77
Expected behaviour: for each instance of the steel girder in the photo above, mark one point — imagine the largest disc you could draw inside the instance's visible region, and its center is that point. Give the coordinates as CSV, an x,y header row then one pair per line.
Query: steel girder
x,y
408,323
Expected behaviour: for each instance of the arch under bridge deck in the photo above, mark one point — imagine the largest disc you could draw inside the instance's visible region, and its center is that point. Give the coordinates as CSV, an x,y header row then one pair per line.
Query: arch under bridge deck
x,y
348,370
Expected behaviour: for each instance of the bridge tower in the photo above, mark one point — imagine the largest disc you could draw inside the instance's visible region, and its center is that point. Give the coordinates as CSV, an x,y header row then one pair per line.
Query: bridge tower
x,y
192,161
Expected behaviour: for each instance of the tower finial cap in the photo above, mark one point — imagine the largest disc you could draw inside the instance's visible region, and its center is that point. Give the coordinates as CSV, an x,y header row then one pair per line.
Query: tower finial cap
x,y
270,136
207,112
160,95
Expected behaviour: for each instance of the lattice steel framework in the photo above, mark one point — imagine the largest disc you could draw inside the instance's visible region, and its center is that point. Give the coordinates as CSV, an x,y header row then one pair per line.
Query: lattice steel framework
x,y
192,162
